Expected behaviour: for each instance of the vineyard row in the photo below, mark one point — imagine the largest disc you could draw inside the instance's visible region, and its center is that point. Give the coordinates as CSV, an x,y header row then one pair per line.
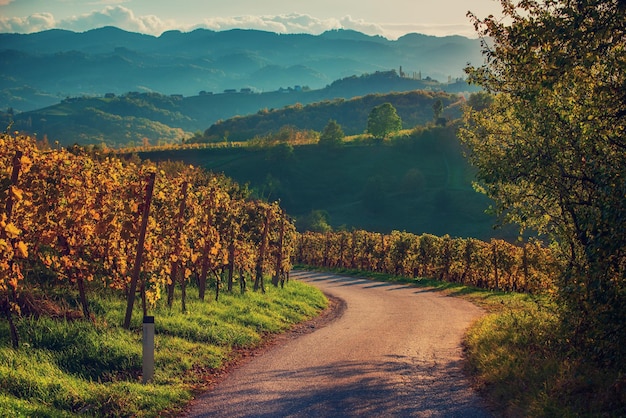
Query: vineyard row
x,y
88,220
494,265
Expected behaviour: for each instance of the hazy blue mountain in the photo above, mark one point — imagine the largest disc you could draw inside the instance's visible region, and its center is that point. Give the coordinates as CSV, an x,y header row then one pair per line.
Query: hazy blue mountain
x,y
59,63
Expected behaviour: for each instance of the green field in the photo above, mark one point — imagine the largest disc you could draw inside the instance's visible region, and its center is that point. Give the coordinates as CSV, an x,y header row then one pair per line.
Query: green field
x,y
67,368
420,183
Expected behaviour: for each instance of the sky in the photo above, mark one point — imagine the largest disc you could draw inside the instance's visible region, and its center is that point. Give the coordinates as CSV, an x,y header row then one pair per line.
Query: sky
x,y
389,18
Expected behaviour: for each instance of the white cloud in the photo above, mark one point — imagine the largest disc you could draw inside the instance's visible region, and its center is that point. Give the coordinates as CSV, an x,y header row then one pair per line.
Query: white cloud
x,y
119,16
361,25
125,18
290,23
394,31
32,23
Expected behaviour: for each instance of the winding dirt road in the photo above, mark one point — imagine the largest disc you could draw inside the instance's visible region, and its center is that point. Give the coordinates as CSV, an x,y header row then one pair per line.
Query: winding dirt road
x,y
395,352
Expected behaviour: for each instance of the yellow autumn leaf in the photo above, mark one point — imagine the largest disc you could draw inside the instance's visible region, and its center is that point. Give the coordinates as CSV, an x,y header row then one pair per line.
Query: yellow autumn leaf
x,y
94,215
12,282
16,194
26,163
21,250
11,230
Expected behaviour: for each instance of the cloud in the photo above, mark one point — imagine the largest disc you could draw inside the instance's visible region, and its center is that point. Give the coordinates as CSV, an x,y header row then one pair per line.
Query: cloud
x,y
289,23
124,18
298,23
119,16
394,31
32,23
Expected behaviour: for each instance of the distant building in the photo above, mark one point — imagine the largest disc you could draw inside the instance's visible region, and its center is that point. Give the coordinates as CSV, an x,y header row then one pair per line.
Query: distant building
x,y
205,93
246,90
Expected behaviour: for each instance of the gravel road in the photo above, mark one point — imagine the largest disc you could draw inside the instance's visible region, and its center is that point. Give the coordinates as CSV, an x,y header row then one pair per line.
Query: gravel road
x,y
394,352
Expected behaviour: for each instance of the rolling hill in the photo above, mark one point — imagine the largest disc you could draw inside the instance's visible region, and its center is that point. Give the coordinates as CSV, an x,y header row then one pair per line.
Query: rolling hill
x,y
120,120
420,183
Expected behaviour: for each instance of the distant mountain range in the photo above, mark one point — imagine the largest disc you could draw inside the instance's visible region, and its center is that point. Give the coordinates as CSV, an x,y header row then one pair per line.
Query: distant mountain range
x,y
41,69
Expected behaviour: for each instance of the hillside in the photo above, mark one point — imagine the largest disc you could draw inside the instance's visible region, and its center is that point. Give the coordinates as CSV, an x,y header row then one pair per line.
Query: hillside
x,y
420,183
134,117
414,108
40,69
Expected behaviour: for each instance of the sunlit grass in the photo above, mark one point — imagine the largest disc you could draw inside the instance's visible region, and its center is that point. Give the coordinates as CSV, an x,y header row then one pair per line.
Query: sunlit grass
x,y
68,368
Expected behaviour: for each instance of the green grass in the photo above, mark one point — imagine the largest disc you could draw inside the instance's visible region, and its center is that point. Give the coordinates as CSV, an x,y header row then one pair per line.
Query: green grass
x,y
420,183
69,368
519,358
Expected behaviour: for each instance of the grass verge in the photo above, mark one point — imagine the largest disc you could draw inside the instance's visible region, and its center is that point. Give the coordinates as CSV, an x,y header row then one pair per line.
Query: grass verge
x,y
520,360
69,368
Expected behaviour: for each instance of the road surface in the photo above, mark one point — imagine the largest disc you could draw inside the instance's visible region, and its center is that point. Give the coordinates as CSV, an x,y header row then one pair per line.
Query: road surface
x,y
394,352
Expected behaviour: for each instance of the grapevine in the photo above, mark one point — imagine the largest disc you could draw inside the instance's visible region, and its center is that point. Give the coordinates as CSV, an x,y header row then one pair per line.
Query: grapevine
x,y
77,216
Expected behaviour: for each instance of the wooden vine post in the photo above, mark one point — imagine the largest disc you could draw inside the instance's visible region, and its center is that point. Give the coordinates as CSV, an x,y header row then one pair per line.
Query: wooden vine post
x,y
495,264
206,251
342,248
258,280
280,270
327,251
139,252
231,258
176,265
10,297
353,243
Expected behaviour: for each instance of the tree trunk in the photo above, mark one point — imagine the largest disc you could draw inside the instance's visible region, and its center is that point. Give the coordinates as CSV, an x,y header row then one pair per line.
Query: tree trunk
x,y
83,297
242,282
139,251
218,284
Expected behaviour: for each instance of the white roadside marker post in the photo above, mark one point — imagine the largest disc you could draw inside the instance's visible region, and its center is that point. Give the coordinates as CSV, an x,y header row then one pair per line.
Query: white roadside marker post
x,y
148,348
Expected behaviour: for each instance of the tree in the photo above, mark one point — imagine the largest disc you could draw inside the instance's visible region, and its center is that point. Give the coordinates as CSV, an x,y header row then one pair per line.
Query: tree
x,y
383,120
332,135
317,221
437,110
551,149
